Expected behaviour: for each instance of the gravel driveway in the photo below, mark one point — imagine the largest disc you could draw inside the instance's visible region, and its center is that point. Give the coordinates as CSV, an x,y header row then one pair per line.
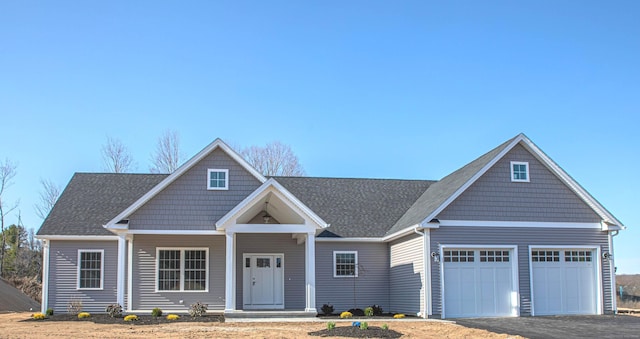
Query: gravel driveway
x,y
592,326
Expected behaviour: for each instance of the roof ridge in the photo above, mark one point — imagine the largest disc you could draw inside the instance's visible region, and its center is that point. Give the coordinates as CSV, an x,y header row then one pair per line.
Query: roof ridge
x,y
352,178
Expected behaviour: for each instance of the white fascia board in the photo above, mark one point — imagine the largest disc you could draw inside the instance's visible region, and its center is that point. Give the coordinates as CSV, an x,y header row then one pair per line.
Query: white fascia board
x,y
177,232
272,228
291,201
487,223
79,237
218,143
573,185
329,239
473,179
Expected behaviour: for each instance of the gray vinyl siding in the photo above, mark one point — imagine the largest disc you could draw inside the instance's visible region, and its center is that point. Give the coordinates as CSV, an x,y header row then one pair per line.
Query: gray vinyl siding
x,y
186,204
522,237
294,270
371,286
494,197
144,295
63,276
406,275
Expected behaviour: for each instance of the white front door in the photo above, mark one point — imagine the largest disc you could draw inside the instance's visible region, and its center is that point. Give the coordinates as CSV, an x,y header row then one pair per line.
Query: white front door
x,y
263,281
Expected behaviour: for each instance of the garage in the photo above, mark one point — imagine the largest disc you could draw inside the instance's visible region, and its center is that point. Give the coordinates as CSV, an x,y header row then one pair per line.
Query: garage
x,y
479,282
564,281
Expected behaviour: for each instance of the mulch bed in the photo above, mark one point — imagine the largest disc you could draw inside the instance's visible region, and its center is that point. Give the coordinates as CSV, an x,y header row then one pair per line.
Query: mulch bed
x,y
142,319
356,332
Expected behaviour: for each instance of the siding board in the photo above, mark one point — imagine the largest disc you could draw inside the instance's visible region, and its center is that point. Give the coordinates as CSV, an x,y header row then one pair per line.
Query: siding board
x,y
406,275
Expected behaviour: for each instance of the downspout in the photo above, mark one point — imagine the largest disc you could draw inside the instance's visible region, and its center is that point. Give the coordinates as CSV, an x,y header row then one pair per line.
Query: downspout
x,y
426,261
612,270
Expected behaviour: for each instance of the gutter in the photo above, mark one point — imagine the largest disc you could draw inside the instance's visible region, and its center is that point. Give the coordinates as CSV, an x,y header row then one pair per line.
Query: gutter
x,y
426,263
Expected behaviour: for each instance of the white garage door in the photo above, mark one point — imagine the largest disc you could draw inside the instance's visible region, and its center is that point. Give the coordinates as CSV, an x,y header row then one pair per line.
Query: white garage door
x,y
478,282
564,281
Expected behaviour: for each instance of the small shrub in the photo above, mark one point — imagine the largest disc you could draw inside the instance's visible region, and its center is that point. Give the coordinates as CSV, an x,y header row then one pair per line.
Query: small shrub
x,y
331,325
346,315
368,311
83,315
198,309
38,316
156,312
377,310
49,312
173,317
131,317
327,309
364,326
74,306
114,310
357,312
385,327
398,316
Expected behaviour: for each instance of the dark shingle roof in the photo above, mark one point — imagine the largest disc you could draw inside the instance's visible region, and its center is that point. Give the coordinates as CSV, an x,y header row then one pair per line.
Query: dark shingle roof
x,y
440,191
356,207
90,200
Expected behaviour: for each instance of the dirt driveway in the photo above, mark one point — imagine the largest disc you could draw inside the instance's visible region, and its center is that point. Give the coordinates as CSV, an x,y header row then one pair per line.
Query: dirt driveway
x,y
593,326
13,325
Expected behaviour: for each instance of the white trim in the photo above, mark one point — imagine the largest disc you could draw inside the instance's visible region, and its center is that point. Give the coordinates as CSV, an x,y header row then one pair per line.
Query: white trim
x,y
45,275
130,274
282,193
355,264
401,233
94,250
176,232
120,274
79,237
612,272
526,169
310,272
487,223
230,273
226,179
597,267
330,239
514,272
427,268
246,306
182,276
218,143
272,228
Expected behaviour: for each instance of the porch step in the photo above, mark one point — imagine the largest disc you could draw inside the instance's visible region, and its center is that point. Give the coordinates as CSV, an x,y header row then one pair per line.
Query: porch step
x,y
269,314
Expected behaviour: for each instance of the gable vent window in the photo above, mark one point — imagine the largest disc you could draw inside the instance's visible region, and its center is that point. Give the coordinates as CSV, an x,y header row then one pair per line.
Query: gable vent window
x,y
217,179
519,171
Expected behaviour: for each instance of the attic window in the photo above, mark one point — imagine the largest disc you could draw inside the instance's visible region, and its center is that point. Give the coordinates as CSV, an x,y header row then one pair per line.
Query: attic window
x,y
217,179
519,171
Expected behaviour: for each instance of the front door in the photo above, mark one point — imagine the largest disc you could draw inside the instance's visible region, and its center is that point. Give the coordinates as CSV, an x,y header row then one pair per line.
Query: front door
x,y
263,281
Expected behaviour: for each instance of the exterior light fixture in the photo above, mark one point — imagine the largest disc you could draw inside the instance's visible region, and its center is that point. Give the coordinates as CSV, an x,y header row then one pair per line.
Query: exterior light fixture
x,y
266,217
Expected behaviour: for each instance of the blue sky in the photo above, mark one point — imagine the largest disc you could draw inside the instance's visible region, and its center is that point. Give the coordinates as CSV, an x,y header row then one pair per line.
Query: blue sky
x,y
358,88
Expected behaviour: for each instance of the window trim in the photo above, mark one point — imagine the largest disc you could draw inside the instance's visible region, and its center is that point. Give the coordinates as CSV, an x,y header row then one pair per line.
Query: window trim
x,y
526,166
80,251
335,275
182,276
226,179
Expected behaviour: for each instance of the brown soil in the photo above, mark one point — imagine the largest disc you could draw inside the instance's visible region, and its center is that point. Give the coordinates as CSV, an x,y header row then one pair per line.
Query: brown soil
x,y
19,325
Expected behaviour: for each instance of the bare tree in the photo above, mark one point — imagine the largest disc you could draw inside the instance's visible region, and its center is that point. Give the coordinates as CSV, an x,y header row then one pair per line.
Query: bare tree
x,y
48,197
116,156
275,159
7,173
167,157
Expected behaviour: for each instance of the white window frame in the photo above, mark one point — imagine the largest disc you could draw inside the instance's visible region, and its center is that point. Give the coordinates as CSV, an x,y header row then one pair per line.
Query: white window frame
x,y
80,251
182,276
526,166
335,253
226,179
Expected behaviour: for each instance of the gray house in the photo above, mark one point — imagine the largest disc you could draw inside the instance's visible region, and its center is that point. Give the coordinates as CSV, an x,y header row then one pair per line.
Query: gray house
x,y
509,234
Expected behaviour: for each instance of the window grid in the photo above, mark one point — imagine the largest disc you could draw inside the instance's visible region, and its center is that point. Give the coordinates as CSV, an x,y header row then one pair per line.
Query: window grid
x,y
494,256
218,179
459,256
90,270
346,264
182,269
519,171
545,256
169,270
195,270
577,256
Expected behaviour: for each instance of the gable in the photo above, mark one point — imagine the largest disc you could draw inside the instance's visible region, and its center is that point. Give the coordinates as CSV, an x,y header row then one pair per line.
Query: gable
x,y
495,197
187,204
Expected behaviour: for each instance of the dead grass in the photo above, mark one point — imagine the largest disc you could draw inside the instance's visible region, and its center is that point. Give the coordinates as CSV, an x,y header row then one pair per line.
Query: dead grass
x,y
12,325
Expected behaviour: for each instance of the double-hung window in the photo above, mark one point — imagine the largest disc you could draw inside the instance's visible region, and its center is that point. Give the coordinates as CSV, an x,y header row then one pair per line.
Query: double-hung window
x,y
182,269
217,179
345,264
90,269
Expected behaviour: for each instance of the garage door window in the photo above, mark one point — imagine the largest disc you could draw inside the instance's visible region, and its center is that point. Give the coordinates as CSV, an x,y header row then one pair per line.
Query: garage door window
x,y
494,256
545,256
577,256
459,256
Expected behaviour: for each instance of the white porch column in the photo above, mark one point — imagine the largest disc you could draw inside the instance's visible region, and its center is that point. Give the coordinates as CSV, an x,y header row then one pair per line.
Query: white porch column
x,y
122,242
45,275
129,273
310,272
230,273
